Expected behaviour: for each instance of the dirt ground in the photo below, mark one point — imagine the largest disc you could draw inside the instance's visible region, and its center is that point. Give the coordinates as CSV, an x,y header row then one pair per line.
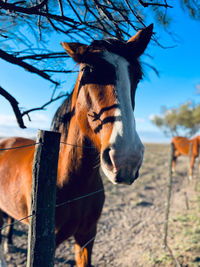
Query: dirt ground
x,y
130,231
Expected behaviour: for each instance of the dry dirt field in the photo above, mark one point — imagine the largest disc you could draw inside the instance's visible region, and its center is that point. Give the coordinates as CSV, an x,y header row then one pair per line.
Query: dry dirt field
x,y
130,231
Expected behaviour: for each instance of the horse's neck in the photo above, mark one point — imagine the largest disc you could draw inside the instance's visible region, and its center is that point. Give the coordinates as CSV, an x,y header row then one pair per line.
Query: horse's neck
x,y
75,162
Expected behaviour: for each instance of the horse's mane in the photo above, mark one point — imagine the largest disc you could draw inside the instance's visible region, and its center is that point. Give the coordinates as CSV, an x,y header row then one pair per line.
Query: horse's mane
x,y
62,116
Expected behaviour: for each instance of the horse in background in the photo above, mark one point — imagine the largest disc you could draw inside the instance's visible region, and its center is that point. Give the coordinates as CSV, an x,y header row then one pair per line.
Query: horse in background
x,y
97,129
186,147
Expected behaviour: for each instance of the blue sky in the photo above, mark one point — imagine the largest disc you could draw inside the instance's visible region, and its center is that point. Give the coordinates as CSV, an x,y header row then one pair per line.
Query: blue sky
x,y
179,70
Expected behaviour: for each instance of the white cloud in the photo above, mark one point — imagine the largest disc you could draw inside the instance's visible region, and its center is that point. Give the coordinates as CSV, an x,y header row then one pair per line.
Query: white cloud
x,y
16,131
37,120
140,120
9,126
152,116
7,120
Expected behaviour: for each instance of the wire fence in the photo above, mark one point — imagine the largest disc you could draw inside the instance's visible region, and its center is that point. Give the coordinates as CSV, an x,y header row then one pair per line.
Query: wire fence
x,y
59,204
56,206
36,143
18,147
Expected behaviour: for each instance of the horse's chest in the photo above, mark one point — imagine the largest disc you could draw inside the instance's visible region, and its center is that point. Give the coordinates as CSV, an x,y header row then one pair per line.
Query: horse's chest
x,y
80,215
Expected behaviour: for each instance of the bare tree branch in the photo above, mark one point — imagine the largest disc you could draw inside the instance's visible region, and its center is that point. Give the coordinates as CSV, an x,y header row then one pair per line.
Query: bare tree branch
x,y
18,114
35,11
45,56
61,7
60,71
134,13
75,20
72,7
15,107
146,4
44,105
17,61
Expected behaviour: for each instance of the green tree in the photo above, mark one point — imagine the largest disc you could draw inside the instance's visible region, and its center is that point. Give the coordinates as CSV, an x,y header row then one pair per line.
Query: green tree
x,y
183,121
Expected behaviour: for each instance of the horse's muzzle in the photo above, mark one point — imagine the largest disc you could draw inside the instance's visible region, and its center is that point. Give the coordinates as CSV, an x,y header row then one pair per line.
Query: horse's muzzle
x,y
127,178
125,175
121,168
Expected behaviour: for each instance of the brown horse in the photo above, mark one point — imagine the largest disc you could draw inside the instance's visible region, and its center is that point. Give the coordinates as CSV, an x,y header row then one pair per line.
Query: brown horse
x,y
97,128
187,147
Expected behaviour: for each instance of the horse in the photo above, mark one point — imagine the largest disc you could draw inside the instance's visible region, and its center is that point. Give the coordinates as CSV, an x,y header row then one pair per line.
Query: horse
x,y
187,147
97,129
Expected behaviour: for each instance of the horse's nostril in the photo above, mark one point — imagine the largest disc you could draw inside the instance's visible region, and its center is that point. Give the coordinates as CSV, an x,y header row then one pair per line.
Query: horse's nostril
x,y
106,157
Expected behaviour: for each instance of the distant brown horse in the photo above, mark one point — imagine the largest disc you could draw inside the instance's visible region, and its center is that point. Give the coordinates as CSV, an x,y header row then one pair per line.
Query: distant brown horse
x,y
97,128
182,146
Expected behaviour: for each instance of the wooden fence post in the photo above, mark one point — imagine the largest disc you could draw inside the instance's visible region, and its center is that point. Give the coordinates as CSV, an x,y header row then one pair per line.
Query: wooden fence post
x,y
41,238
169,189
190,157
167,208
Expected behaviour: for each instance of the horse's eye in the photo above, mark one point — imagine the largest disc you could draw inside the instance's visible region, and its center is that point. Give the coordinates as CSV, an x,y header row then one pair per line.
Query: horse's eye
x,y
87,69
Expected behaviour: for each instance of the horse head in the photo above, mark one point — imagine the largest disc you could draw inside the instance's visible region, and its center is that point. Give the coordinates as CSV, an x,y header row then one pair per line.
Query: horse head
x,y
104,100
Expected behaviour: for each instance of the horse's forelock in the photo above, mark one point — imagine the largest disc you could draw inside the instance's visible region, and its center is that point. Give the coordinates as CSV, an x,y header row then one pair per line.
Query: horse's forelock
x,y
111,44
118,47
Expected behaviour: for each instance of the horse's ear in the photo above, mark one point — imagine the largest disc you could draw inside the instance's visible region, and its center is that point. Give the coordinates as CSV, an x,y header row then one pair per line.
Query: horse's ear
x,y
75,50
138,43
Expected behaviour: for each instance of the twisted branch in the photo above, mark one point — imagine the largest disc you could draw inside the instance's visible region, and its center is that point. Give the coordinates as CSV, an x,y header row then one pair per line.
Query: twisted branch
x,y
15,107
17,61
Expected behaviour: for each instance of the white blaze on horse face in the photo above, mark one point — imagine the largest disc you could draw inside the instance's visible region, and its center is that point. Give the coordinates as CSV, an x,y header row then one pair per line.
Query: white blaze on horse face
x,y
126,148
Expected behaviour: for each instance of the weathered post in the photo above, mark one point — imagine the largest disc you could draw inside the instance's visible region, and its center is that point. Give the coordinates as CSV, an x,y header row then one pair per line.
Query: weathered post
x,y
167,207
197,180
41,239
198,158
189,163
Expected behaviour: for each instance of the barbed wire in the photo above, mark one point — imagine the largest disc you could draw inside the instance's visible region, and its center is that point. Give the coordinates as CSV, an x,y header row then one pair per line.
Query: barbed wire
x,y
78,198
56,206
89,147
18,147
17,221
36,143
60,204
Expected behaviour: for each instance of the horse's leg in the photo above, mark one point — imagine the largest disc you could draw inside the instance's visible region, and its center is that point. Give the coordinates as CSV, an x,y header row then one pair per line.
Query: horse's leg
x,y
83,248
2,260
191,167
173,163
9,242
173,157
10,230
